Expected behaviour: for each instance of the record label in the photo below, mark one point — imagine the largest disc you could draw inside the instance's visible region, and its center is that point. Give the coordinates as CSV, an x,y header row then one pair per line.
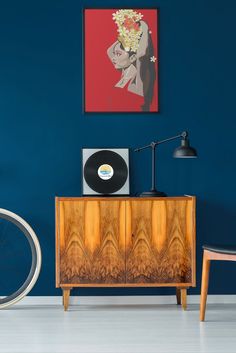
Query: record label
x,y
105,171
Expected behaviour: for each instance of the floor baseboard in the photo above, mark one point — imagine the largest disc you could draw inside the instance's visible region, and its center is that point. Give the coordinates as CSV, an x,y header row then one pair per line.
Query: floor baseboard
x,y
124,300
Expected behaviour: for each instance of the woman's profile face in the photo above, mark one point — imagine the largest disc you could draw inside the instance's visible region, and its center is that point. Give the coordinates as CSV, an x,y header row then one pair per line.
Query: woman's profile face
x,y
120,58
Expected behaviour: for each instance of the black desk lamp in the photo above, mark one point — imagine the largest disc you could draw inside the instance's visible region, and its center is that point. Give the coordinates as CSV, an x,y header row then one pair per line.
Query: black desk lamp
x,y
183,151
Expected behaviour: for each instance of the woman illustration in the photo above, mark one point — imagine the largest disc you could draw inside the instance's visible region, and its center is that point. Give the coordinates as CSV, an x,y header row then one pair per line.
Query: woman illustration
x,y
133,55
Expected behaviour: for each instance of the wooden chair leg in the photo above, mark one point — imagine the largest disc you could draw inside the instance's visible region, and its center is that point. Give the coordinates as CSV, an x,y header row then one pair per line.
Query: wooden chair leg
x,y
178,296
184,298
204,286
66,297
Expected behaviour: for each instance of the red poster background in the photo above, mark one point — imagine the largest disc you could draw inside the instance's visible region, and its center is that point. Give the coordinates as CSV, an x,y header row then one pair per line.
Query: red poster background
x,y
100,32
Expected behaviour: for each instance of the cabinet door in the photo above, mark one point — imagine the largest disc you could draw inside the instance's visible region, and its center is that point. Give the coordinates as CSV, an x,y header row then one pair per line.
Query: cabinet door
x,y
160,241
91,242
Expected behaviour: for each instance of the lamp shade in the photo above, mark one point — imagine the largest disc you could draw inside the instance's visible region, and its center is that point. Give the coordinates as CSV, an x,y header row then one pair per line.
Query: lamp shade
x,y
185,150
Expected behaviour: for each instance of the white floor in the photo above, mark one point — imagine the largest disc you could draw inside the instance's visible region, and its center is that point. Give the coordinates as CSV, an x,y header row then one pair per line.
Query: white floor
x,y
117,328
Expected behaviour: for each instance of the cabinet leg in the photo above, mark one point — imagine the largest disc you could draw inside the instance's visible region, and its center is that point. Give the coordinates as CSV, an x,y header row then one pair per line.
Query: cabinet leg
x,y
178,296
184,298
66,297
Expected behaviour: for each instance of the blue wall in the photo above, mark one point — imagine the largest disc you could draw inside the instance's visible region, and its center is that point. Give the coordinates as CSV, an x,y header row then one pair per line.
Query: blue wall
x,y
43,128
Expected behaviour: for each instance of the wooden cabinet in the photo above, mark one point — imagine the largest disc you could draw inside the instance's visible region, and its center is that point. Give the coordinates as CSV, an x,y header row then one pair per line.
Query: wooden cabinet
x,y
125,242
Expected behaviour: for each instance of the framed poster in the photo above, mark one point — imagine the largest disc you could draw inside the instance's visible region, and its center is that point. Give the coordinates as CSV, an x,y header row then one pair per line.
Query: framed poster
x,y
120,60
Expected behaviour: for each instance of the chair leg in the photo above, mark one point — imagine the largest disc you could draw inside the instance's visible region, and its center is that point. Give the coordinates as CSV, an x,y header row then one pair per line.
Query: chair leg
x,y
204,286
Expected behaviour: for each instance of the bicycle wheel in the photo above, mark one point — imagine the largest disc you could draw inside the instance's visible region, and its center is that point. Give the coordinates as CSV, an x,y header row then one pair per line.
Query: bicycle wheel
x,y
36,258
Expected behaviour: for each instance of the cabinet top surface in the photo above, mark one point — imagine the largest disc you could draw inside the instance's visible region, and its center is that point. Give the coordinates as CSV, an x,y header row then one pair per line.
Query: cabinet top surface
x,y
122,198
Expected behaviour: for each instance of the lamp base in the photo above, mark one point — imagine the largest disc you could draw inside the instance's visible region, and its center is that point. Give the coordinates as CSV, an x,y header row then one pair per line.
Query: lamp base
x,y
153,193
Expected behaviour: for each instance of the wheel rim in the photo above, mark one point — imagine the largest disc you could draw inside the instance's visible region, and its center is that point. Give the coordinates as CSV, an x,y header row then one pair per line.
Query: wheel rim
x,y
36,258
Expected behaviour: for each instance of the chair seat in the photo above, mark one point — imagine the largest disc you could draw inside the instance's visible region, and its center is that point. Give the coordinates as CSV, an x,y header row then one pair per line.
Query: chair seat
x,y
222,249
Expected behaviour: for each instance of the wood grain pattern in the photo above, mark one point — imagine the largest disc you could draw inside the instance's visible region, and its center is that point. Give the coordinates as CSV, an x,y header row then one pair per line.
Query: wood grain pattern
x,y
92,240
159,238
125,242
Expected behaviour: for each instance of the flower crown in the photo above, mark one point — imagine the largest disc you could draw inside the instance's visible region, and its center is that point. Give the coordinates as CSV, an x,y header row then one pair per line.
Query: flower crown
x,y
129,28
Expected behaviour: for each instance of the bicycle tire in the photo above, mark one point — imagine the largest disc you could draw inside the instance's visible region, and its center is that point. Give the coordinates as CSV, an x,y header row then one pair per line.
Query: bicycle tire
x,y
36,258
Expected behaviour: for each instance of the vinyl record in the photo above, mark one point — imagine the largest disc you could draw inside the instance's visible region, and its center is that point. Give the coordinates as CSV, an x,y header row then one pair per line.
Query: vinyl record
x,y
105,172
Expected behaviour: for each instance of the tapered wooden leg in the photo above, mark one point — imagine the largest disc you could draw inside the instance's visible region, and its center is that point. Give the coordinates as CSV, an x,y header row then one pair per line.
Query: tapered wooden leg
x,y
178,296
66,297
204,286
184,298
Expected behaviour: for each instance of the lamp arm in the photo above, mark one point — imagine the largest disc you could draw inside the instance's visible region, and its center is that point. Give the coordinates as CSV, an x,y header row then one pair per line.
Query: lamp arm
x,y
184,134
152,145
